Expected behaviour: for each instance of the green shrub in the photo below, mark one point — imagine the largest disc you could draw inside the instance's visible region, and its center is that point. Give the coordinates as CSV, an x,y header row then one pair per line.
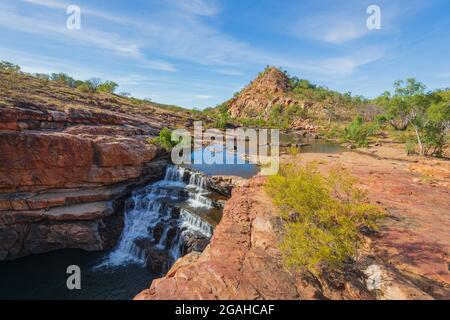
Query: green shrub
x,y
436,129
293,150
331,133
64,78
381,120
410,147
253,122
9,67
164,140
42,76
358,132
84,87
323,216
107,87
10,80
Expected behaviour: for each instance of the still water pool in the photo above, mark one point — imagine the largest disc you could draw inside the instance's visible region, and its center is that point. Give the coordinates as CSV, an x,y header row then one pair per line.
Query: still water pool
x,y
44,276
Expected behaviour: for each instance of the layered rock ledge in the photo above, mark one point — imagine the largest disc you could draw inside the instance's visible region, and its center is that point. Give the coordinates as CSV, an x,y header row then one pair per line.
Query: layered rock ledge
x,y
68,161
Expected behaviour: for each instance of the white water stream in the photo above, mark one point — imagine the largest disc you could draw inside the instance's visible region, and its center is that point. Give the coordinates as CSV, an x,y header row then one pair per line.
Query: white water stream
x,y
153,217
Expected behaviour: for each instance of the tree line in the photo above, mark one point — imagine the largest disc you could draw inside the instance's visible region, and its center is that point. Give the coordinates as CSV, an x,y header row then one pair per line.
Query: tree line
x,y
93,85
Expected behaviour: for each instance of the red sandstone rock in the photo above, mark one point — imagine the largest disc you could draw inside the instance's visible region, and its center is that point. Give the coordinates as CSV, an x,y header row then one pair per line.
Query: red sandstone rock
x,y
67,161
270,88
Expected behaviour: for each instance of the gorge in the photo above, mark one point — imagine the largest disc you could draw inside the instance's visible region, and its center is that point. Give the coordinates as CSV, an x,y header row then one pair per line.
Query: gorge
x,y
82,182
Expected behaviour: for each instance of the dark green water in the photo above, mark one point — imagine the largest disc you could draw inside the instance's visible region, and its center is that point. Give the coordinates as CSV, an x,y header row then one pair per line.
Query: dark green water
x,y
311,145
44,277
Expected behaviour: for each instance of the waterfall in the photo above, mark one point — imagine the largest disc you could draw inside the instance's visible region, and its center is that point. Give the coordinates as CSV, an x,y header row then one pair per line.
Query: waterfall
x,y
196,189
162,218
193,222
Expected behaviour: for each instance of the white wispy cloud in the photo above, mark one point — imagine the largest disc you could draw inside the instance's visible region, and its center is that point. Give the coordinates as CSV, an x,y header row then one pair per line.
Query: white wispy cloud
x,y
106,40
230,72
37,25
48,3
203,96
199,7
332,27
180,32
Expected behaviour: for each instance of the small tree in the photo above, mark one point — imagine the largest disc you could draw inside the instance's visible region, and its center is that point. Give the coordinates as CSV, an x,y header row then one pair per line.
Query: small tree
x,y
85,87
63,78
107,87
9,67
42,76
411,95
437,128
94,83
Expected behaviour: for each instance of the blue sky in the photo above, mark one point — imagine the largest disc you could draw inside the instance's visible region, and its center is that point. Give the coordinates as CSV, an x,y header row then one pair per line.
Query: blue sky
x,y
197,53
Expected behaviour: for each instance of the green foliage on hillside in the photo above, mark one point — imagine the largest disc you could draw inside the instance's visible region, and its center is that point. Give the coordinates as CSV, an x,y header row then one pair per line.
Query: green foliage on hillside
x,y
315,93
323,215
60,90
8,66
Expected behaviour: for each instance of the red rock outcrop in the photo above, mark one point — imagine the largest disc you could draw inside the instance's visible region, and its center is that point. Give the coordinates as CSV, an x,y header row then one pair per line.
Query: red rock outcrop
x,y
269,89
68,160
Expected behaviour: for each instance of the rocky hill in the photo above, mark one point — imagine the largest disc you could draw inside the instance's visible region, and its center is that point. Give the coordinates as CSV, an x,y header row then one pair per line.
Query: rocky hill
x,y
68,159
271,87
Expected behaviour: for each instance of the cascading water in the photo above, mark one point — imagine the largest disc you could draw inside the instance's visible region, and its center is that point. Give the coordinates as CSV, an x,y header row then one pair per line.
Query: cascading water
x,y
161,219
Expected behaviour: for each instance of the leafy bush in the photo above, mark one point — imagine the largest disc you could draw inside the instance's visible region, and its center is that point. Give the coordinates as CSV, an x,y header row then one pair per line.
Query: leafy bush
x,y
436,129
8,66
84,87
381,120
410,147
10,80
253,122
64,78
359,132
323,215
164,139
293,150
221,116
107,87
42,76
333,132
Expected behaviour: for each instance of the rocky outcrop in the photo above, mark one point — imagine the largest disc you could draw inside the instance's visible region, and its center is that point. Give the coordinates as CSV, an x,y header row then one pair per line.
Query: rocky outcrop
x,y
269,89
224,185
67,162
305,126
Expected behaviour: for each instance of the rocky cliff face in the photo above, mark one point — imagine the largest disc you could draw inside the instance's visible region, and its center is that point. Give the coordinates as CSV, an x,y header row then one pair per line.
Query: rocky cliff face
x,y
67,161
270,88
